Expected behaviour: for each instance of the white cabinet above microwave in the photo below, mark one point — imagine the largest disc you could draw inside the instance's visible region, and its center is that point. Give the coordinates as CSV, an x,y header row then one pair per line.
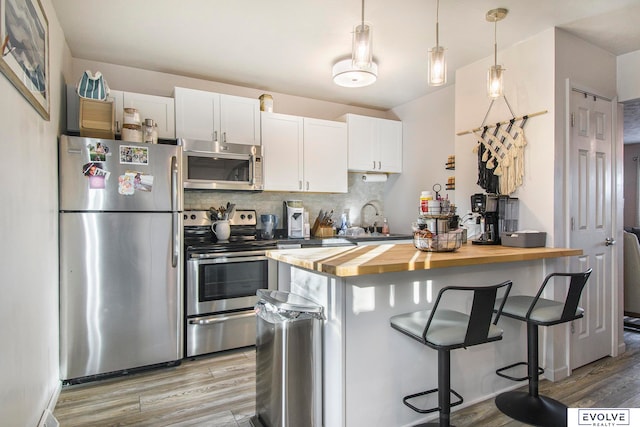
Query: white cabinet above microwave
x,y
216,118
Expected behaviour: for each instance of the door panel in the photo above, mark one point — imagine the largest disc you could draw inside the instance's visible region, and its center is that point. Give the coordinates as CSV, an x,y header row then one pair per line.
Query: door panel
x,y
590,210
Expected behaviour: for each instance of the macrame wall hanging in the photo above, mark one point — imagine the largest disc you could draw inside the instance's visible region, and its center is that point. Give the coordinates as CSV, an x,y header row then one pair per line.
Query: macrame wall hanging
x,y
500,150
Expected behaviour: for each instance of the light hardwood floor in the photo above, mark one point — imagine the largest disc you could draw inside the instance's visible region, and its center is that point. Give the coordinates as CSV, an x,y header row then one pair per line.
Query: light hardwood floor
x,y
219,390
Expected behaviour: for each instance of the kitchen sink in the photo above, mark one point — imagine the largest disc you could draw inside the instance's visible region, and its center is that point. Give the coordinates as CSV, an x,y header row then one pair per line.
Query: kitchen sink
x,y
373,239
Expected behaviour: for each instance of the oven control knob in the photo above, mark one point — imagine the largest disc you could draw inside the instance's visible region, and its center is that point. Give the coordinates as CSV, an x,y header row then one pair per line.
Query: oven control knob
x,y
242,216
184,217
249,216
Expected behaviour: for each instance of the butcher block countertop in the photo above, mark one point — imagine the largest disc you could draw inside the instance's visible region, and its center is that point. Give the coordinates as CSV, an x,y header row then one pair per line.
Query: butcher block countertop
x,y
387,258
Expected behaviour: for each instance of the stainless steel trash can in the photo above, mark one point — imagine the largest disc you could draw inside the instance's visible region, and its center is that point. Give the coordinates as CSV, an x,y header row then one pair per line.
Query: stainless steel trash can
x,y
288,360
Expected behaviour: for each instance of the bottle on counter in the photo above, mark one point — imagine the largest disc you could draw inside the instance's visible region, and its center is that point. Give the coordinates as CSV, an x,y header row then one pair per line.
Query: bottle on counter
x,y
425,198
385,227
306,226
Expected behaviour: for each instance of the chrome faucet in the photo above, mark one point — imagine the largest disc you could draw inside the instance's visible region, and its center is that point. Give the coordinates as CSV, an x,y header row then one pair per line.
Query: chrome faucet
x,y
377,213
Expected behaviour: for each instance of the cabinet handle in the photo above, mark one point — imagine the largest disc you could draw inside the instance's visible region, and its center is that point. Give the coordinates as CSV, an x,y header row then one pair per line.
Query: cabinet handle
x,y
307,185
299,185
379,165
374,165
224,137
215,135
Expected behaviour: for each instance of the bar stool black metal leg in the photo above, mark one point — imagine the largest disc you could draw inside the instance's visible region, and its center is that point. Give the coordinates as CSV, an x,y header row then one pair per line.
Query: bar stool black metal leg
x,y
444,391
531,408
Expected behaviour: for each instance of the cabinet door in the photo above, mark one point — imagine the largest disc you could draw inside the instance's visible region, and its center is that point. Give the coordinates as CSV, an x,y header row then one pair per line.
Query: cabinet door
x,y
325,163
158,108
361,143
117,97
197,114
282,152
389,142
239,120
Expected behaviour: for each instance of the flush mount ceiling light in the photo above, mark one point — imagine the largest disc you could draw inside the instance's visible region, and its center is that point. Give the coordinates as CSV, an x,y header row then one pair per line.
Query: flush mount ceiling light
x,y
437,62
360,70
345,74
495,84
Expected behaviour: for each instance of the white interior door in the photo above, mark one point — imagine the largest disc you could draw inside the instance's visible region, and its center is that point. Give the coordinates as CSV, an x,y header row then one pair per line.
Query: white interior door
x,y
591,214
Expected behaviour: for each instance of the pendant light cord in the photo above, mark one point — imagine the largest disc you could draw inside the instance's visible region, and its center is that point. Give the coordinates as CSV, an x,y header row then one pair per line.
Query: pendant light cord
x,y
437,24
363,15
495,42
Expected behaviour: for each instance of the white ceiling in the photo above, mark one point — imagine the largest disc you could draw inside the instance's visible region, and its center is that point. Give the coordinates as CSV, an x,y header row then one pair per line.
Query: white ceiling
x,y
289,46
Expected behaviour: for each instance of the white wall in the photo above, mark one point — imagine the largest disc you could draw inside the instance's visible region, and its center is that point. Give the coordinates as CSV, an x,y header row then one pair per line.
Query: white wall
x,y
29,244
427,141
628,81
529,82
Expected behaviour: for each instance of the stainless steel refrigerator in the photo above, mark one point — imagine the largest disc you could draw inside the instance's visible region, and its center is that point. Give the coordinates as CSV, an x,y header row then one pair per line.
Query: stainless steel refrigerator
x,y
121,295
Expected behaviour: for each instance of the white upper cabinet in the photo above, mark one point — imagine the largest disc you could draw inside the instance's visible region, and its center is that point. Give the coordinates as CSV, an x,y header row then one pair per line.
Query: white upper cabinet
x,y
158,108
282,152
375,145
239,120
303,154
214,117
325,160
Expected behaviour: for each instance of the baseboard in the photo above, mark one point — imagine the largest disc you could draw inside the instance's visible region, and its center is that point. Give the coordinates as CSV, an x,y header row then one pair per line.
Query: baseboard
x,y
47,419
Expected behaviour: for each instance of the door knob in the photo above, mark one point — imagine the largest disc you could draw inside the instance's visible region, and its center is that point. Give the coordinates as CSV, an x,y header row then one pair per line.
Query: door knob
x,y
609,241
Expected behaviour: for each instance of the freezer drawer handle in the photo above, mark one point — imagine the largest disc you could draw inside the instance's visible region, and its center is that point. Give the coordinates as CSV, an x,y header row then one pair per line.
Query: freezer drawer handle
x,y
219,319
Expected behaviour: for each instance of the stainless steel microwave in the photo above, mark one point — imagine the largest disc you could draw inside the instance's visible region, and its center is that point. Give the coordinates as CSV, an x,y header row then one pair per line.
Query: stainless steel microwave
x,y
221,166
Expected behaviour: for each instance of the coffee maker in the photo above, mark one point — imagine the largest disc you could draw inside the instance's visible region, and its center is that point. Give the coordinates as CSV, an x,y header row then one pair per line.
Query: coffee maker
x,y
498,214
293,213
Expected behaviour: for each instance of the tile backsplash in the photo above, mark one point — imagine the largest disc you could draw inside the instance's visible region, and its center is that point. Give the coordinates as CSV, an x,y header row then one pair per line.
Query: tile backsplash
x,y
359,193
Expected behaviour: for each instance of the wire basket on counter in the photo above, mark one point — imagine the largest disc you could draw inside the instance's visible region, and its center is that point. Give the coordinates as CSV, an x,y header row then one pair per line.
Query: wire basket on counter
x,y
426,241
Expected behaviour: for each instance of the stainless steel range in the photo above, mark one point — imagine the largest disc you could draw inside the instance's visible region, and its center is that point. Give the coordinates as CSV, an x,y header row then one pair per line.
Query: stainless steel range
x,y
221,280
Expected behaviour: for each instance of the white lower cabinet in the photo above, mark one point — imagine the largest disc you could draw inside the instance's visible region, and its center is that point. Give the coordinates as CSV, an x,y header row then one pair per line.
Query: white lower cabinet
x,y
304,154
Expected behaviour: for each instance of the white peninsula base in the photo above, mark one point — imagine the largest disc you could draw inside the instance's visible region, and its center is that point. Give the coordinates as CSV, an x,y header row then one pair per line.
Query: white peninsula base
x,y
368,366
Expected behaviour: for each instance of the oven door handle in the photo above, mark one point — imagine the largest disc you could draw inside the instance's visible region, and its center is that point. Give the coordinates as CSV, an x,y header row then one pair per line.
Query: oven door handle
x,y
227,258
212,320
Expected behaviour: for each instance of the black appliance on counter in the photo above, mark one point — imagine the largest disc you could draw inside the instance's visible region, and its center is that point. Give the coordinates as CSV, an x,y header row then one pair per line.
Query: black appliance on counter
x,y
221,280
498,214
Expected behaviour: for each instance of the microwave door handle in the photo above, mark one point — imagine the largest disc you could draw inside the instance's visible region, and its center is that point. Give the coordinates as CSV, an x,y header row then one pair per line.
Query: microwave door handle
x,y
252,169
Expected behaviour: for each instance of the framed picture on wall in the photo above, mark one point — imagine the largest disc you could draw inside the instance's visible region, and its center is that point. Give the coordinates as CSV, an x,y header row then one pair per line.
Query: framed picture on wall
x,y
24,38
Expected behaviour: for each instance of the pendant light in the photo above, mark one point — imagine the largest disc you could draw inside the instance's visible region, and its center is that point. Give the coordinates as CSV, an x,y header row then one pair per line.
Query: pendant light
x,y
360,70
362,52
495,83
437,63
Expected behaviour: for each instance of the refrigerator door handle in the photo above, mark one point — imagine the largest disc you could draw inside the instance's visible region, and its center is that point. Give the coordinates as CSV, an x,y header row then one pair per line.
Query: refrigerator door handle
x,y
174,183
175,237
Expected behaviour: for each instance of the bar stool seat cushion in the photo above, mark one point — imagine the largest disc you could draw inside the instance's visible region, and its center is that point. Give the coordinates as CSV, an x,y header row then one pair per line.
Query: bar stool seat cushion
x,y
545,310
448,327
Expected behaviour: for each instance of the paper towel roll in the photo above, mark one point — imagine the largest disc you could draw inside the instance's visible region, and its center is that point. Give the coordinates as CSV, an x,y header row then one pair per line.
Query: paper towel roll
x,y
374,177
